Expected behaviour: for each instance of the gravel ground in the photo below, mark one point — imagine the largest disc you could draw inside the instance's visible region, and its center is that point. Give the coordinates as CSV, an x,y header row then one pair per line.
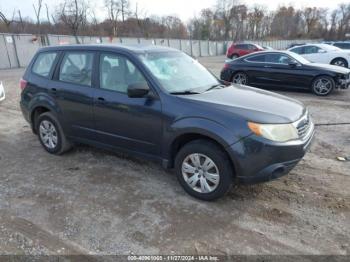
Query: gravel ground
x,y
90,201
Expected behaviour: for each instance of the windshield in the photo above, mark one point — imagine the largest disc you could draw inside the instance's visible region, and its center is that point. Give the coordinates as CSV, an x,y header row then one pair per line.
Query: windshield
x,y
178,72
299,58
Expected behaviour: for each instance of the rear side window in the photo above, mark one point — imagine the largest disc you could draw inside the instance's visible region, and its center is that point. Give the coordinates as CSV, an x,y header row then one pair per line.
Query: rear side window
x,y
43,63
76,68
256,58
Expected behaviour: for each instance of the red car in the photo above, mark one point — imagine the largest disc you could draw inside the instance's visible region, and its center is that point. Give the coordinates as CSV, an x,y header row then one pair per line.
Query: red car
x,y
237,50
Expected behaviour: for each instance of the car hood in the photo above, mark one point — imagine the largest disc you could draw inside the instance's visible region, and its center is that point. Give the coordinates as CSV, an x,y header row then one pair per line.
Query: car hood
x,y
333,68
252,104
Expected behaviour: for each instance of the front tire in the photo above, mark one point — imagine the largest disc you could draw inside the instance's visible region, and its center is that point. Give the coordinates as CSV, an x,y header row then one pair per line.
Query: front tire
x,y
322,85
204,170
51,135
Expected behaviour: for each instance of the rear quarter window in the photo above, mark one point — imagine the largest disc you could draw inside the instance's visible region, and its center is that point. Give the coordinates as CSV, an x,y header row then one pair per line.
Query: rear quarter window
x,y
43,63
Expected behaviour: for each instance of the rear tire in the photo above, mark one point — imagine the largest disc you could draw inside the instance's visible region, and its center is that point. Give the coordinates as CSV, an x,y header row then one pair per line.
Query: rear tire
x,y
340,62
240,78
322,85
204,170
234,56
50,134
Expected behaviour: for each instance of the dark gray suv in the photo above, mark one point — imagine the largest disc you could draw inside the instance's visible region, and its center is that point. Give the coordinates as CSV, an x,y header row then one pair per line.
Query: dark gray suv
x,y
161,104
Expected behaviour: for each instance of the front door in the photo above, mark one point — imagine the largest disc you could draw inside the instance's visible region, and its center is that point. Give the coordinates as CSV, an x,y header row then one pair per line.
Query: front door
x,y
134,124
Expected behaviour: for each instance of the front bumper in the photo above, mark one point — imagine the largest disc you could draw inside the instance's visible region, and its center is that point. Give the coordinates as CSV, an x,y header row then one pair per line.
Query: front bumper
x,y
259,160
343,83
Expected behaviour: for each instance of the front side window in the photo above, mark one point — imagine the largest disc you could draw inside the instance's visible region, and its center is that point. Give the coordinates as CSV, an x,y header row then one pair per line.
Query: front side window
x,y
279,59
76,68
311,49
117,73
178,72
43,64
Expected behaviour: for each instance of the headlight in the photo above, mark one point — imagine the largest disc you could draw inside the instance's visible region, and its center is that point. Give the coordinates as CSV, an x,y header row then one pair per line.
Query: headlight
x,y
274,132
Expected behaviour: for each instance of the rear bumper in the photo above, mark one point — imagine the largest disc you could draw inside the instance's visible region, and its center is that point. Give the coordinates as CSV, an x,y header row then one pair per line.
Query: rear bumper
x,y
226,75
258,160
25,112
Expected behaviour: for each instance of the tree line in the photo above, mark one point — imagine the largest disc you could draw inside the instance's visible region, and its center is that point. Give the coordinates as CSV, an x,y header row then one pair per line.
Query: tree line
x,y
227,20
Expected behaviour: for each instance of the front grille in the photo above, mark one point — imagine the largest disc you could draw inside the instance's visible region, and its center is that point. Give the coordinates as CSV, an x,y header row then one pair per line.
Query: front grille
x,y
303,125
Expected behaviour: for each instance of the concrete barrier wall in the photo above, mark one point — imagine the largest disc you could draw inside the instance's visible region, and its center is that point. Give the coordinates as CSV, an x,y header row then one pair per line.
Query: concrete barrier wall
x,y
17,50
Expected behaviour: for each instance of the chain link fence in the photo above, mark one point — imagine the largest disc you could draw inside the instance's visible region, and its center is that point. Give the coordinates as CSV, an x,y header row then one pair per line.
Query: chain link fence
x,y
16,50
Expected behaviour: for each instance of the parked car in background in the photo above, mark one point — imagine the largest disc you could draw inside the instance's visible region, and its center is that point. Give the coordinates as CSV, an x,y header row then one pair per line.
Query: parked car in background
x,y
323,53
342,45
2,92
283,69
161,104
295,44
238,50
268,48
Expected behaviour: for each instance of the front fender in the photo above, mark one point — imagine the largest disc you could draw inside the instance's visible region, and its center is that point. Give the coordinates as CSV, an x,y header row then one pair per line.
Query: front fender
x,y
200,126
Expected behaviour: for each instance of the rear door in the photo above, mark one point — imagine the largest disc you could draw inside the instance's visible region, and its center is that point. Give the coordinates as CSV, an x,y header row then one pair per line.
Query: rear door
x,y
134,124
72,88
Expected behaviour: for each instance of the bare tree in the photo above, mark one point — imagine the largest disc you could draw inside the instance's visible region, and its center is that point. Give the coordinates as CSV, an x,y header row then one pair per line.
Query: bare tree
x,y
113,8
73,13
47,14
124,8
140,16
37,11
8,21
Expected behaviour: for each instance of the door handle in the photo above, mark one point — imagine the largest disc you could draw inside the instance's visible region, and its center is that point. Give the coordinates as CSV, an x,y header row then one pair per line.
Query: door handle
x,y
267,66
101,100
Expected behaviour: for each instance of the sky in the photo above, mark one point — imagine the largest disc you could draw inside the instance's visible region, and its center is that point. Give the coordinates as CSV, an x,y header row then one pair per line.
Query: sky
x,y
185,9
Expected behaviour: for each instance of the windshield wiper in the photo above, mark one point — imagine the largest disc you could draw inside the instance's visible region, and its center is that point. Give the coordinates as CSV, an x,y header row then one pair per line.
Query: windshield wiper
x,y
186,92
215,87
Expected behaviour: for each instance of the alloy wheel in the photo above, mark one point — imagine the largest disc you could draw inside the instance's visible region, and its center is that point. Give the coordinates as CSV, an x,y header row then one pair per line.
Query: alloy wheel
x,y
240,79
48,134
200,173
322,86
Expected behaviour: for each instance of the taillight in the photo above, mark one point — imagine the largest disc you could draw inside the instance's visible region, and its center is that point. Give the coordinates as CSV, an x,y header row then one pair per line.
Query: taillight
x,y
22,84
226,66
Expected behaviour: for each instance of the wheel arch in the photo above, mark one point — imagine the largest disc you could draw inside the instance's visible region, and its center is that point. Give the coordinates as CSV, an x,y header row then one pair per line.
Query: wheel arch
x,y
185,138
40,105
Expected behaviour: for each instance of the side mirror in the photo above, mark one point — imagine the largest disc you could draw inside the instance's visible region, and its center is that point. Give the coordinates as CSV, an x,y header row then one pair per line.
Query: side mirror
x,y
293,64
138,90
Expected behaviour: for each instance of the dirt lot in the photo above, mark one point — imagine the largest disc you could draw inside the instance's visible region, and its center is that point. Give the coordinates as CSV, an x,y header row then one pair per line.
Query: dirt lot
x,y
94,202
